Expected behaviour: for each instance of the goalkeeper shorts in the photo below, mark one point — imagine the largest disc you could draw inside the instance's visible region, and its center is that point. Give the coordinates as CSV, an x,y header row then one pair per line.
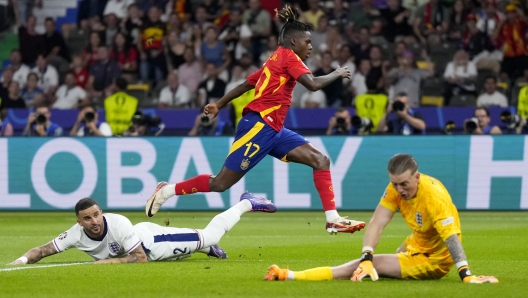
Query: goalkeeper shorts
x,y
415,265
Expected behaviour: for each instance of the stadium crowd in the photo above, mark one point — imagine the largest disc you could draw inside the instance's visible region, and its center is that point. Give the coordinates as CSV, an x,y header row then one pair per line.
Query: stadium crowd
x,y
123,55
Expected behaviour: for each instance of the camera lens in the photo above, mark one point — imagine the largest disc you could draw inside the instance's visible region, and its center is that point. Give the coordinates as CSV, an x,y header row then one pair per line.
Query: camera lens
x,y
471,125
41,119
89,117
340,121
398,106
205,119
356,121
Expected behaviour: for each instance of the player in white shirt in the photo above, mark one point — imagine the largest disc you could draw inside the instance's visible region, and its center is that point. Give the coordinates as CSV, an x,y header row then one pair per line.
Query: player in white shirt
x,y
111,238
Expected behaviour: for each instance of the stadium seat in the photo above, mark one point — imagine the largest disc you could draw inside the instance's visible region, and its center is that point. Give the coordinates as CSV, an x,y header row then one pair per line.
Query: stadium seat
x,y
141,92
432,92
463,101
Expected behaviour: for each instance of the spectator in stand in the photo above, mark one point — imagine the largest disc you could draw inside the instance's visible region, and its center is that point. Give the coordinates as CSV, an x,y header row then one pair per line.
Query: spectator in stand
x,y
47,74
407,78
39,124
334,41
338,15
146,5
246,62
212,88
88,124
174,95
236,35
69,95
475,42
431,18
320,34
402,119
310,100
340,123
201,18
55,47
460,76
174,50
399,49
76,38
81,74
6,128
195,39
359,79
491,97
512,34
31,90
214,51
362,15
133,23
272,47
192,68
362,50
120,107
212,8
118,7
20,70
153,31
13,99
90,8
334,90
125,55
6,79
89,54
396,19
23,9
313,14
103,72
111,29
489,18
378,67
259,21
344,58
457,21
30,43
483,126
174,22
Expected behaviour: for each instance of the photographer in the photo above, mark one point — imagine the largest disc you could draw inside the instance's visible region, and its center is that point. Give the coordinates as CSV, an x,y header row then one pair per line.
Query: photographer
x,y
341,123
479,124
88,124
39,124
144,125
399,119
204,126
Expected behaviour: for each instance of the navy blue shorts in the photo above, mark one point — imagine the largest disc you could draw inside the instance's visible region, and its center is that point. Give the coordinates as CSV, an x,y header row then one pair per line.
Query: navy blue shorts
x,y
255,139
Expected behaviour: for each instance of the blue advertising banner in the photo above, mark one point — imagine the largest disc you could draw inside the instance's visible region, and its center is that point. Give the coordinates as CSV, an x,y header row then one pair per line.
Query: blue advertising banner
x,y
480,172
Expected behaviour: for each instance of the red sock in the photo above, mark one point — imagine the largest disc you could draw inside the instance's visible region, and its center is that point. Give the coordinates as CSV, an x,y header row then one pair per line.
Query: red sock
x,y
199,183
323,183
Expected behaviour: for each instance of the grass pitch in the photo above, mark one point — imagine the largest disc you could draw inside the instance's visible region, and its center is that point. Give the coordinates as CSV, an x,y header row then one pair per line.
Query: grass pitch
x,y
495,243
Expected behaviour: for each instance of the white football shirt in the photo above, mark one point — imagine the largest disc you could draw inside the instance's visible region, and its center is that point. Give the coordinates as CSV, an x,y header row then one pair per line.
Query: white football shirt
x,y
118,239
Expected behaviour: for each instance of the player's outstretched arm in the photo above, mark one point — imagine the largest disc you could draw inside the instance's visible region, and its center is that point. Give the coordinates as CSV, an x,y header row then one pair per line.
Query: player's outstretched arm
x,y
459,257
136,256
316,83
214,108
35,254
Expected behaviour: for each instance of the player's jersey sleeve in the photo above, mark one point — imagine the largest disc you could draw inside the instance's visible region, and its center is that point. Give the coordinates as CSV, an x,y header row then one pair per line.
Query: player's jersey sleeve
x,y
127,237
254,77
295,66
445,219
390,199
67,239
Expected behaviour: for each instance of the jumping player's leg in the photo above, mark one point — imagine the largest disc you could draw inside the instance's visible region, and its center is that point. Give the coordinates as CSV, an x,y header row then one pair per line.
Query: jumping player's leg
x,y
386,265
307,154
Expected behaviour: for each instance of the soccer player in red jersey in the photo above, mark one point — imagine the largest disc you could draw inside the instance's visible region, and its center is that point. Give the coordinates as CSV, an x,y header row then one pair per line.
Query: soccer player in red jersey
x,y
260,132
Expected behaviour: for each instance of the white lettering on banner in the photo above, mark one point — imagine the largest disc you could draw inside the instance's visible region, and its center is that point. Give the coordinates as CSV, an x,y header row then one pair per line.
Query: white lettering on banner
x,y
240,187
116,172
192,149
40,181
482,168
339,168
8,200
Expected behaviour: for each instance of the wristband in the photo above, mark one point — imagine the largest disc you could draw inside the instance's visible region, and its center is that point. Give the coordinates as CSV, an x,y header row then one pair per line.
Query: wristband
x,y
23,259
464,272
366,256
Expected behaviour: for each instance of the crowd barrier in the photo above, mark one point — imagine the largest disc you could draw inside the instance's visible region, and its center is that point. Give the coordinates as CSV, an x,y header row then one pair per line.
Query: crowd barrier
x,y
480,172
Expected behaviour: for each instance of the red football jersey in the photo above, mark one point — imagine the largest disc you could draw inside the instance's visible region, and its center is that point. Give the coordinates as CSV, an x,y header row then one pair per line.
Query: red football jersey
x,y
274,84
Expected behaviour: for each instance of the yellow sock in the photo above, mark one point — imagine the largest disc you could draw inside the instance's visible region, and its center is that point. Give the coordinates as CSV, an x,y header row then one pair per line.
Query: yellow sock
x,y
320,273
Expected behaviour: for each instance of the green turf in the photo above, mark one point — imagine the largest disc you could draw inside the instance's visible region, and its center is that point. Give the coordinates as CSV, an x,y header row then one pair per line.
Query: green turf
x,y
495,243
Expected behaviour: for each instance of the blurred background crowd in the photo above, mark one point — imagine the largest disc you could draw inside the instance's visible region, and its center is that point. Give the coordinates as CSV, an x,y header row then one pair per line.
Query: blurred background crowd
x,y
124,55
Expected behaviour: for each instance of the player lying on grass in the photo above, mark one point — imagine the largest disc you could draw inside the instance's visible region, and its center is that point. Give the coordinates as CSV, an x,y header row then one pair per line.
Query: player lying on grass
x,y
261,130
111,238
428,253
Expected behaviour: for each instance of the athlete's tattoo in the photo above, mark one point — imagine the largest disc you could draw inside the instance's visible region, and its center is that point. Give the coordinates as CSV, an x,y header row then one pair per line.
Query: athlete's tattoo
x,y
455,249
38,253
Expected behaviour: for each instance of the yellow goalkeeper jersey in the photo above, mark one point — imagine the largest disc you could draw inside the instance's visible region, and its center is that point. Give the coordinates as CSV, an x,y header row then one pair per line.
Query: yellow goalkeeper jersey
x,y
431,215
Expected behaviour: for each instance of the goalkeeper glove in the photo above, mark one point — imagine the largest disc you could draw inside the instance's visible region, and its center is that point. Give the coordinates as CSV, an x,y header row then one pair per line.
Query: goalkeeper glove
x,y
466,277
365,268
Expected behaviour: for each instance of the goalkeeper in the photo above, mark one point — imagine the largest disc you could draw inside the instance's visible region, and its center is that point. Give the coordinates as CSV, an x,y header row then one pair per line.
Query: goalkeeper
x,y
428,253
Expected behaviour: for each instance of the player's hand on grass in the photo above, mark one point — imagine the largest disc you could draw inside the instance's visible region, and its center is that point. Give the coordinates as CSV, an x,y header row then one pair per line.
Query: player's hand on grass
x,y
212,110
472,279
17,262
365,268
344,72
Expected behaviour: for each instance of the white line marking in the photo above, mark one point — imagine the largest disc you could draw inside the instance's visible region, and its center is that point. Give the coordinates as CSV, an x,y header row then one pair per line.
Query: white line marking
x,y
43,266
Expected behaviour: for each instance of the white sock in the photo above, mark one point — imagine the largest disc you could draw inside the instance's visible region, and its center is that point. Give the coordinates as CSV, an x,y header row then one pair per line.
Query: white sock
x,y
331,215
291,276
204,250
220,224
168,190
243,206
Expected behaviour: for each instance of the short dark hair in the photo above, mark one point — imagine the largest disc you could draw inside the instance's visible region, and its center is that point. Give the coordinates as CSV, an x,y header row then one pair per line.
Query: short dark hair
x,y
84,204
121,83
401,94
49,19
16,50
341,109
494,78
400,163
482,108
292,26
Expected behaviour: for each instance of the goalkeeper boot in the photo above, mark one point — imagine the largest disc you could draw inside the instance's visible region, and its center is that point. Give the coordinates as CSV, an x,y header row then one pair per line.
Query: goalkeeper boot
x,y
481,279
259,204
276,273
344,225
156,200
217,252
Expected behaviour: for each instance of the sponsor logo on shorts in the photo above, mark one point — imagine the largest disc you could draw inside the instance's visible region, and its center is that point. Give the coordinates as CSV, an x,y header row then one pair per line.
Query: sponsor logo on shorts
x,y
114,247
63,236
419,218
244,164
